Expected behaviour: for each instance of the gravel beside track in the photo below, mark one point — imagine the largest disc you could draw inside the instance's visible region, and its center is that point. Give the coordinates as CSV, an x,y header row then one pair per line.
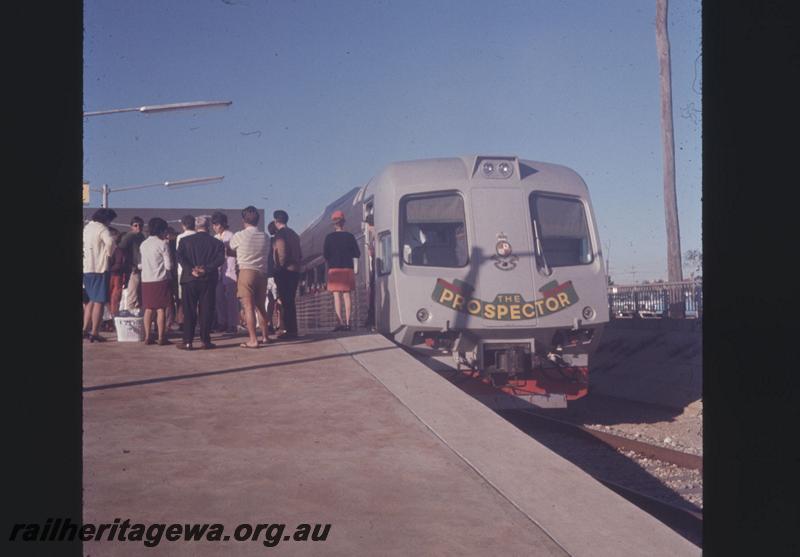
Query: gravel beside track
x,y
680,430
672,428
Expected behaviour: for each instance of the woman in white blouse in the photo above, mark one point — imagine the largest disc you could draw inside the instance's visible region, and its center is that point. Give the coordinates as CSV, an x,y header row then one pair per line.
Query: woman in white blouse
x,y
97,248
156,291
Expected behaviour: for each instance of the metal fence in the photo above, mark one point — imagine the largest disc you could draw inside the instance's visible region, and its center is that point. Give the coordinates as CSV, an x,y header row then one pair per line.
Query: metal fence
x,y
315,310
653,300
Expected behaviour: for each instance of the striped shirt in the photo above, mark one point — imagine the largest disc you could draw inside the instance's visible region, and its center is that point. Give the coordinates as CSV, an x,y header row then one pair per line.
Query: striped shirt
x,y
251,249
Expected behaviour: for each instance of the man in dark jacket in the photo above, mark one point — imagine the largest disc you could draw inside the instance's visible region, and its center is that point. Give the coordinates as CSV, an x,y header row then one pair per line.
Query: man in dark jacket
x,y
200,256
287,258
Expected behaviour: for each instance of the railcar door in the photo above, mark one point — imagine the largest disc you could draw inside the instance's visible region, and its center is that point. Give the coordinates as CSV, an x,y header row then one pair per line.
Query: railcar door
x,y
502,253
383,273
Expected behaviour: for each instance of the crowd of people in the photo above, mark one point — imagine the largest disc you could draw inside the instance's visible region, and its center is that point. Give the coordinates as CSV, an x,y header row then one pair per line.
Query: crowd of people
x,y
205,278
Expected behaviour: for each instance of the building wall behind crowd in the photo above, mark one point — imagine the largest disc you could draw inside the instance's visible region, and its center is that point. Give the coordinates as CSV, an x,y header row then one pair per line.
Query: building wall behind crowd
x,y
173,217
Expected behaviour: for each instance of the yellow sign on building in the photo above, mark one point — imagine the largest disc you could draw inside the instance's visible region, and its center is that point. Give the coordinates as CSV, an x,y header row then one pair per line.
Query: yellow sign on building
x,y
86,193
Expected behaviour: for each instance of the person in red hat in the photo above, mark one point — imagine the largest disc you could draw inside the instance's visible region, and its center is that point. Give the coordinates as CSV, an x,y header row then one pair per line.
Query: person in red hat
x,y
339,250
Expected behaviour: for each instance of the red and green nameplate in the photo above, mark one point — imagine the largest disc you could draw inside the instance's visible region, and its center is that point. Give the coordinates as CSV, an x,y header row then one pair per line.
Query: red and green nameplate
x,y
505,307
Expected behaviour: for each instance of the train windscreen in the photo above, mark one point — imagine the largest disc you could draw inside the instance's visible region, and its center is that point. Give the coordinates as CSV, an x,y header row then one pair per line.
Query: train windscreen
x,y
434,230
562,228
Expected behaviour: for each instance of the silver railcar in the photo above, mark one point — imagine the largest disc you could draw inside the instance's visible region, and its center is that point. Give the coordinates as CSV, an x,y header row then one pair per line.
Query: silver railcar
x,y
494,258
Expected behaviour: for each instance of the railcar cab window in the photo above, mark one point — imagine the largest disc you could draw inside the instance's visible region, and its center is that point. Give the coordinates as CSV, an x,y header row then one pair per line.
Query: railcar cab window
x,y
433,230
563,231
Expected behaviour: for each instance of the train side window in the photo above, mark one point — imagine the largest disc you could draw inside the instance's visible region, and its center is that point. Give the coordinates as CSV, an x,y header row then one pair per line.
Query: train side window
x,y
433,230
562,228
383,259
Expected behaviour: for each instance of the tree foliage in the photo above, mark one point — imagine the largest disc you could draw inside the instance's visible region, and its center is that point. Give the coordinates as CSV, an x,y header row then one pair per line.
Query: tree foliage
x,y
693,262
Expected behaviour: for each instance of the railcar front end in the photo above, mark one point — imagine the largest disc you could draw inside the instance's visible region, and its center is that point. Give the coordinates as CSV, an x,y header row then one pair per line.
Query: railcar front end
x,y
496,259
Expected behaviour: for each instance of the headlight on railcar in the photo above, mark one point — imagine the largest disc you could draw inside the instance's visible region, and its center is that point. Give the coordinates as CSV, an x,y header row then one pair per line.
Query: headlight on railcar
x,y
488,168
588,313
423,315
505,169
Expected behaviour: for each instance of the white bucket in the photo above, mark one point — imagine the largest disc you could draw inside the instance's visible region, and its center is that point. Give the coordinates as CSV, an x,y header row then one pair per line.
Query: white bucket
x,y
129,329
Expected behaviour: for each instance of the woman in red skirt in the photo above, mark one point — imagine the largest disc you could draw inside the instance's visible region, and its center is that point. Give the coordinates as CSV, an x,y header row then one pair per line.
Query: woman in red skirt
x,y
340,249
156,287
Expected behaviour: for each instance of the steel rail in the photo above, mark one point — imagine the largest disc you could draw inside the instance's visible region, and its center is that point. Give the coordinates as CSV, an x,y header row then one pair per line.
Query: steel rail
x,y
664,454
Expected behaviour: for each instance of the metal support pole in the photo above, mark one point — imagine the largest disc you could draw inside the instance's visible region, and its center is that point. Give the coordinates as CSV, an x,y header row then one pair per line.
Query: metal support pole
x,y
104,202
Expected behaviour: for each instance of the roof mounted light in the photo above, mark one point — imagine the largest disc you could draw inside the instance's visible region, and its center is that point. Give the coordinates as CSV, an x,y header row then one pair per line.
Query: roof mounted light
x,y
495,168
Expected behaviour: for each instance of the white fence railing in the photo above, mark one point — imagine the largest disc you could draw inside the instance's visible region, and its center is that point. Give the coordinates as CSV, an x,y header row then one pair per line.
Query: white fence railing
x,y
654,300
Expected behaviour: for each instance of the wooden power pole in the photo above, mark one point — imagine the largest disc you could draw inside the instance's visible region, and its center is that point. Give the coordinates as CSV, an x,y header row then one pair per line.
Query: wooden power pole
x,y
674,273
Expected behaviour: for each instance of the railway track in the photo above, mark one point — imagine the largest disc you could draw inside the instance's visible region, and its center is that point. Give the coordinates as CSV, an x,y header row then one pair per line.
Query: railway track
x,y
687,522
664,454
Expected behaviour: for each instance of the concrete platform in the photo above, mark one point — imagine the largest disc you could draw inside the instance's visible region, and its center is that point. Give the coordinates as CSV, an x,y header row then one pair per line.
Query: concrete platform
x,y
350,431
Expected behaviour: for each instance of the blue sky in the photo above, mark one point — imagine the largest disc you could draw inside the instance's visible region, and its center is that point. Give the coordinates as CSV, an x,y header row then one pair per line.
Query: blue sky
x,y
325,93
